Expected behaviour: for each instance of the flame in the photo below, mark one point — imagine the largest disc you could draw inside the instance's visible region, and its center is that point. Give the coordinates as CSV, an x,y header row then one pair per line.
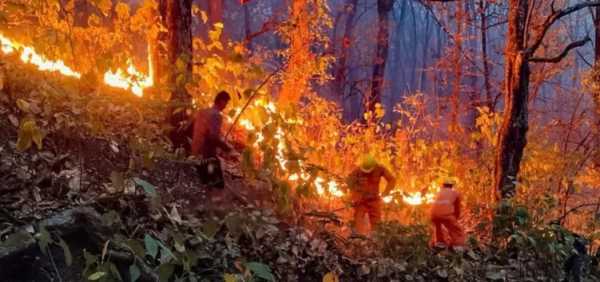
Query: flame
x,y
334,190
136,81
413,199
131,79
30,56
6,46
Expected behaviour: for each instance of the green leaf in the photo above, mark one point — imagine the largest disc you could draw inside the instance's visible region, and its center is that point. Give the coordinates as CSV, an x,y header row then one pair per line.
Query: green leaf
x,y
151,246
166,250
134,273
136,247
44,240
66,251
148,188
96,276
210,228
115,271
228,277
118,180
165,271
261,270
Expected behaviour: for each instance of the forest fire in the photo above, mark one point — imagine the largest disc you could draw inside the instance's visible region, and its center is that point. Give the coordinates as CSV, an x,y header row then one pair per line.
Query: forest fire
x,y
132,79
135,81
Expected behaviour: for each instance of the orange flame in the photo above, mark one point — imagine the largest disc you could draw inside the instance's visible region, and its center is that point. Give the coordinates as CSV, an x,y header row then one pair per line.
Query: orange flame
x,y
131,79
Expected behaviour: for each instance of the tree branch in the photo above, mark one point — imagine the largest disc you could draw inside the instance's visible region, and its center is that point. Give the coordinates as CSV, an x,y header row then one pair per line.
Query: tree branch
x,y
555,16
563,54
268,26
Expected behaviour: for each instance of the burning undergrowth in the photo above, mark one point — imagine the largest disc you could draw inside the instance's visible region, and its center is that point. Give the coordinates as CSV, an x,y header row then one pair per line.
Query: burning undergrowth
x,y
299,156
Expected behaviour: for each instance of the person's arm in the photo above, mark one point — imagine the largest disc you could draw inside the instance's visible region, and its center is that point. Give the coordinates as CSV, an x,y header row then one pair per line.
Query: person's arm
x,y
214,132
457,205
390,179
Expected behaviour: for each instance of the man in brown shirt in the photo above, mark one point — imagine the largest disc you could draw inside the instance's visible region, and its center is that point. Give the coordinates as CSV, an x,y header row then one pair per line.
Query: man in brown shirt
x,y
207,140
364,184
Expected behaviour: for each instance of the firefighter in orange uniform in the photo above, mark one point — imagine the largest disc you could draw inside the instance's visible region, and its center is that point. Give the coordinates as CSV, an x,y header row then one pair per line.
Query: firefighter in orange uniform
x,y
445,212
364,185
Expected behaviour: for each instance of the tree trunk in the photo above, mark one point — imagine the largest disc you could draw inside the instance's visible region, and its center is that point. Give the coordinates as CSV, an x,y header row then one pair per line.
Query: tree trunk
x,y
341,69
297,74
489,101
596,96
247,25
215,12
383,10
597,35
512,137
173,63
458,71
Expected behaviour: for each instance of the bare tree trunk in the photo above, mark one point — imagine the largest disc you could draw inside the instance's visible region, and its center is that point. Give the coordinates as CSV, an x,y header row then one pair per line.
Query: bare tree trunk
x,y
247,25
342,68
175,46
489,100
458,71
215,12
512,137
383,10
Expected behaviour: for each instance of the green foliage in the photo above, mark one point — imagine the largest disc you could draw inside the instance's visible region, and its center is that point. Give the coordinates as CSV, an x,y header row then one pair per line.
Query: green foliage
x,y
148,188
403,242
261,270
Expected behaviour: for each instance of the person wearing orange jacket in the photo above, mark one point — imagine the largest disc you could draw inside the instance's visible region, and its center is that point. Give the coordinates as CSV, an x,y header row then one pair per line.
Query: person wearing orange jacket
x,y
366,200
445,212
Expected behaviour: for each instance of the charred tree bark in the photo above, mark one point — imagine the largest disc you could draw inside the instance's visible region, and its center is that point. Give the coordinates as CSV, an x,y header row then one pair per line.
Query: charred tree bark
x,y
173,64
383,10
513,133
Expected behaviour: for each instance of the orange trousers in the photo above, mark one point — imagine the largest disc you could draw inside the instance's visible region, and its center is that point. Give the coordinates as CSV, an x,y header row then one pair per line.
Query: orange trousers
x,y
364,208
455,231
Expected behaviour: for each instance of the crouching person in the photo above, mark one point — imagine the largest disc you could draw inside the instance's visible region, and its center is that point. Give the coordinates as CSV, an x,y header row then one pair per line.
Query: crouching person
x,y
207,140
364,184
445,212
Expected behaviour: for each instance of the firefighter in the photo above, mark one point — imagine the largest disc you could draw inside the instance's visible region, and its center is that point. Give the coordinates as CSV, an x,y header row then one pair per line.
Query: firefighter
x,y
445,212
207,140
366,200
